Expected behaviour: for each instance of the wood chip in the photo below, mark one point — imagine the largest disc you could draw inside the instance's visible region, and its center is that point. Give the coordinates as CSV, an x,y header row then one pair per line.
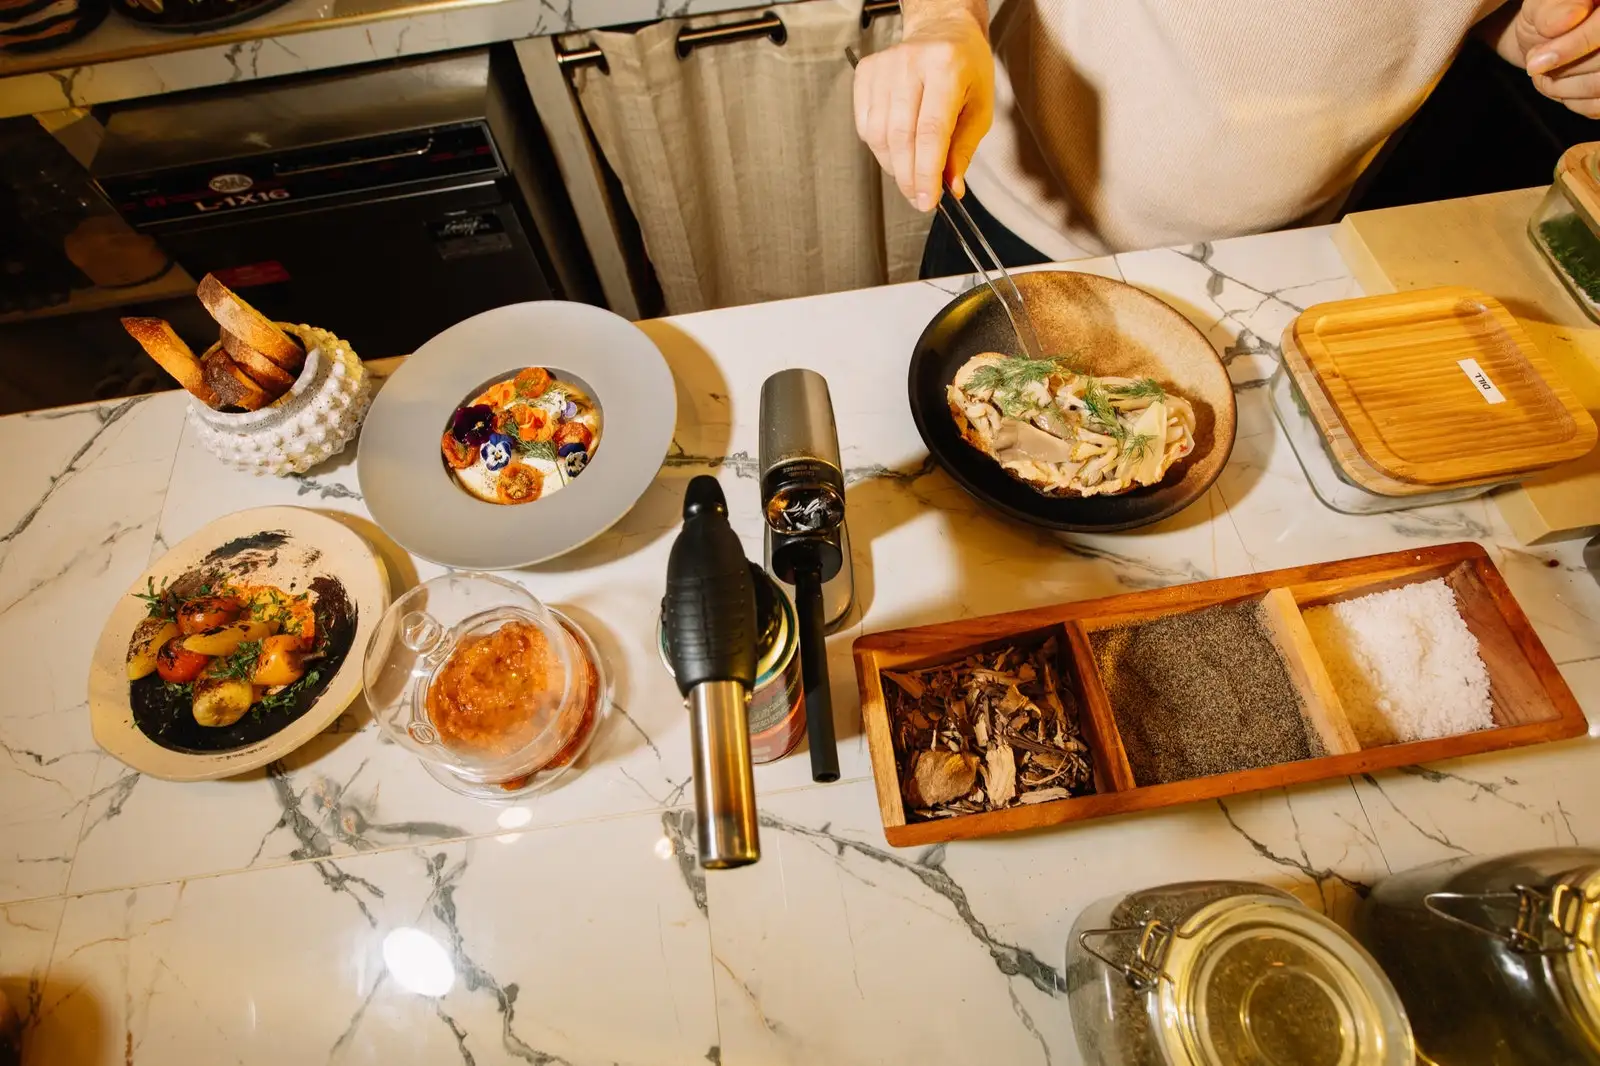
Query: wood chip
x,y
1045,795
1000,774
911,685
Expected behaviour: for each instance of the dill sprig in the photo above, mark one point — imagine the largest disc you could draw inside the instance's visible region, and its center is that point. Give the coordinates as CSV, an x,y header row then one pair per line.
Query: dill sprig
x,y
1009,379
1102,416
1142,389
1138,445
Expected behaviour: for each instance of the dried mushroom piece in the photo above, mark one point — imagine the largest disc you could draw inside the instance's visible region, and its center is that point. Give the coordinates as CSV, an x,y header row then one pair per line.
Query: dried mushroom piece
x,y
939,777
1002,713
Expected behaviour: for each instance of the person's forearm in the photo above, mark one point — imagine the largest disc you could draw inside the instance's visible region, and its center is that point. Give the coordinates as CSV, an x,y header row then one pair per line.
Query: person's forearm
x,y
921,12
1497,32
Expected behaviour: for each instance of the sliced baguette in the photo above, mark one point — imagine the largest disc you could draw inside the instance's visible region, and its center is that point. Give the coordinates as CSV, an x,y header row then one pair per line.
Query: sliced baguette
x,y
233,386
264,371
162,343
252,327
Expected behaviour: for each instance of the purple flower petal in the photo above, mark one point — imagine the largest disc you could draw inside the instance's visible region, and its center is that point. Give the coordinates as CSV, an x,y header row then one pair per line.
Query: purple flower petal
x,y
473,425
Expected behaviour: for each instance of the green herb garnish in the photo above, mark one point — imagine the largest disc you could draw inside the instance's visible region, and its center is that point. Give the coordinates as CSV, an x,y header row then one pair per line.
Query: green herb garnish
x,y
238,666
1103,416
1008,381
541,449
1138,445
173,690
1572,245
1142,389
158,604
287,695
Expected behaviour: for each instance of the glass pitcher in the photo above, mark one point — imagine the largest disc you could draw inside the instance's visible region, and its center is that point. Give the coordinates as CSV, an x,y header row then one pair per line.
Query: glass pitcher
x,y
495,692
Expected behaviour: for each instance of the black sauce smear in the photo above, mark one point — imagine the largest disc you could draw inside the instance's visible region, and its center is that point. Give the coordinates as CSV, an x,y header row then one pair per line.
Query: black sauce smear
x,y
265,540
167,717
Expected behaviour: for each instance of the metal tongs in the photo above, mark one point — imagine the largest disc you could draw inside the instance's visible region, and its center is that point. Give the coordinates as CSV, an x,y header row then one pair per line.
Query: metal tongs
x,y
1005,290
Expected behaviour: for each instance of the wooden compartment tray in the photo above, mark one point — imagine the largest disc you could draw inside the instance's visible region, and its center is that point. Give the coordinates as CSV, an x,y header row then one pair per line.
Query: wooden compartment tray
x,y
1531,702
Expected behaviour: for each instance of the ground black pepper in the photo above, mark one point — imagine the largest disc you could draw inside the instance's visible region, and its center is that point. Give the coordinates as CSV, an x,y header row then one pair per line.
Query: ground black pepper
x,y
1202,693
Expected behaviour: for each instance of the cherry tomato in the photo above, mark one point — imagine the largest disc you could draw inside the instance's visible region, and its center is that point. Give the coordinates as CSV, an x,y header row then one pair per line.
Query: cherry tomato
x,y
207,612
519,483
458,455
532,382
177,664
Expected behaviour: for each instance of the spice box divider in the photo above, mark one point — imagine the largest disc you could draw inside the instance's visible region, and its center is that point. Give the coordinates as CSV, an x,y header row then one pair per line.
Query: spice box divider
x,y
1096,719
1532,703
1323,710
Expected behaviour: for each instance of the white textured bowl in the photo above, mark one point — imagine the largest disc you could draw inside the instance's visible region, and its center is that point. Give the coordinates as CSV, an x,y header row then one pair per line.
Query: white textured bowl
x,y
314,420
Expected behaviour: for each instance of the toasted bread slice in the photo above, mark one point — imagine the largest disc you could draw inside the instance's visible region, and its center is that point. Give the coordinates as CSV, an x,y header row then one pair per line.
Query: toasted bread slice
x,y
263,371
233,386
162,343
252,327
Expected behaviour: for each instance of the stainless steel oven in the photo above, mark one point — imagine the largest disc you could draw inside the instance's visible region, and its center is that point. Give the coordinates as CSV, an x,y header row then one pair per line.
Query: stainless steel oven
x,y
383,203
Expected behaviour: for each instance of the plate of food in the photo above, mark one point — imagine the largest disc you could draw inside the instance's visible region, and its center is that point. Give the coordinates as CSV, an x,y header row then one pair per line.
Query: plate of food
x,y
517,435
237,646
1127,419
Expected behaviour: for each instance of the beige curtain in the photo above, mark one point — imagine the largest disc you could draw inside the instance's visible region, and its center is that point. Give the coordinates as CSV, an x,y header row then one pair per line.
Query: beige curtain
x,y
742,163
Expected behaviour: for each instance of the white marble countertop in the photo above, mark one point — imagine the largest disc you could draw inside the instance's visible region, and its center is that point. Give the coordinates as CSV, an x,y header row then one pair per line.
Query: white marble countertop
x,y
245,920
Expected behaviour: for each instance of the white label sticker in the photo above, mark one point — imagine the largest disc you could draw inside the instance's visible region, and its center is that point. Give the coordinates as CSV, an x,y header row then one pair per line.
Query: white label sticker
x,y
1475,373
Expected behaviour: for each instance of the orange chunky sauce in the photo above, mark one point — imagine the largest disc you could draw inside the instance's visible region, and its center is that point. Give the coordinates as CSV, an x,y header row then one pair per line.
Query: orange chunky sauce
x,y
486,697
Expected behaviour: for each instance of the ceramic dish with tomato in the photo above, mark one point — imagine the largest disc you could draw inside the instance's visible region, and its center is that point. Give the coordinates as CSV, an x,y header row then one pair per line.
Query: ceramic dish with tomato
x,y
235,648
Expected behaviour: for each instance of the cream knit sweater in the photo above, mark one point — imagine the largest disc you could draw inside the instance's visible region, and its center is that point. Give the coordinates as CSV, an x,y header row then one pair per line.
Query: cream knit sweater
x,y
1123,124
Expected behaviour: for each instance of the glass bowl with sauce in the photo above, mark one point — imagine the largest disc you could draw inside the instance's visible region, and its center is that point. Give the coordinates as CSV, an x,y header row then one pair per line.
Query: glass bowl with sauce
x,y
497,694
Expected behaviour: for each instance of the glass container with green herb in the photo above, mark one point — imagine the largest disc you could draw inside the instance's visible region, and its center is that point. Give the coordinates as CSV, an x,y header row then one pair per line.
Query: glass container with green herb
x,y
1564,226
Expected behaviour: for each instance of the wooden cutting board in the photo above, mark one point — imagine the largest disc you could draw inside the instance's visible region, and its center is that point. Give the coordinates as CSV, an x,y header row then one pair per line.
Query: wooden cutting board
x,y
1482,242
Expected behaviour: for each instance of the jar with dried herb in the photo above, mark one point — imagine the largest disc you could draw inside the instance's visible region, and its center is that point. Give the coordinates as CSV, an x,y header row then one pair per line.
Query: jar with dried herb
x,y
1495,957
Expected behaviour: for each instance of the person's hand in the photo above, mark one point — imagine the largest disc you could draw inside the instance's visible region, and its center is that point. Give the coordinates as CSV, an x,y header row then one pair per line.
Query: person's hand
x,y
923,105
1558,40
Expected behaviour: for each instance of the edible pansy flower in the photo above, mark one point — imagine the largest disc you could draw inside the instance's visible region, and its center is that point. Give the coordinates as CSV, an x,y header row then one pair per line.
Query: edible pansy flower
x,y
496,451
473,425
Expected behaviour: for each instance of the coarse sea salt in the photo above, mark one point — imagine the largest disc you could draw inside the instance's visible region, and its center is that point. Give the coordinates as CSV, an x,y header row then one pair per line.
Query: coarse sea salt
x,y
1404,663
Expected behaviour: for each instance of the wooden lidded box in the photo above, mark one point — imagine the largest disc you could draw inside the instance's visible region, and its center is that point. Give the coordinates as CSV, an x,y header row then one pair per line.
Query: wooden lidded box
x,y
1421,391
1531,703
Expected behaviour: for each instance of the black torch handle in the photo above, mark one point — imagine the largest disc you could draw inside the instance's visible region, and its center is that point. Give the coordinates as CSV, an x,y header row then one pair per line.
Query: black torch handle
x,y
814,674
709,611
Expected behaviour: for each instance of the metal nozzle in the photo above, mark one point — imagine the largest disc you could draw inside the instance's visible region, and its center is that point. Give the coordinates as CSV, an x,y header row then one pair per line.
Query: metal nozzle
x,y
724,783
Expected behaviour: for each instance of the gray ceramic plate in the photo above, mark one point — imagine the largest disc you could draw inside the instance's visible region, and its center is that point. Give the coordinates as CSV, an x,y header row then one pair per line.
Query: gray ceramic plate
x,y
1110,328
411,492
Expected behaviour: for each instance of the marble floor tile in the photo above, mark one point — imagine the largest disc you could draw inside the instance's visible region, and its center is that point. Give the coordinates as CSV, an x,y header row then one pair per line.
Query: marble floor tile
x,y
837,948
566,946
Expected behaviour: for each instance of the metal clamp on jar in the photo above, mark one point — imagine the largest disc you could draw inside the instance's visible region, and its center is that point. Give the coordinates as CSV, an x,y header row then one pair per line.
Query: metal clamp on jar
x,y
1495,958
1225,973
709,619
